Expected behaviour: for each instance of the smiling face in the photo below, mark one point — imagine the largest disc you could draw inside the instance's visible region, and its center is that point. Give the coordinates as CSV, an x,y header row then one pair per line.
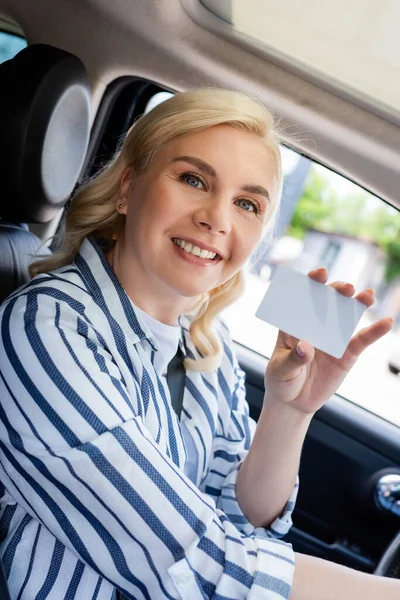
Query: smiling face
x,y
208,193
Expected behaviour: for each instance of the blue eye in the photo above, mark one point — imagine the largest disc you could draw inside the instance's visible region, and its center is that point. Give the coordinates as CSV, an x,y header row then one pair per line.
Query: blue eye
x,y
192,180
248,205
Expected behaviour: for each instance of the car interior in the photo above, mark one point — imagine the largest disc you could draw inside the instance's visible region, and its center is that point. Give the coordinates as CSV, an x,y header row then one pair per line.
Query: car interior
x,y
76,75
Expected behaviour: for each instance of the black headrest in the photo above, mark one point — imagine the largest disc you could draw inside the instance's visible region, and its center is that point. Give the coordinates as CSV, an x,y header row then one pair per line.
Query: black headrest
x,y
44,131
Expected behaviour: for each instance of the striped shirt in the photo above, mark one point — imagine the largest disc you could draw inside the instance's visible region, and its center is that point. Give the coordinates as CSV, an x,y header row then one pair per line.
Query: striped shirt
x,y
168,338
94,495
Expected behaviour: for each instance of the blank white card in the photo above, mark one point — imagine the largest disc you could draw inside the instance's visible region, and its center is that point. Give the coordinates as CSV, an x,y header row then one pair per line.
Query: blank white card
x,y
310,311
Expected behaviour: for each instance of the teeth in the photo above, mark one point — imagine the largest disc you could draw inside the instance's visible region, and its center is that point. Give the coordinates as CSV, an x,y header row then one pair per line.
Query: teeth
x,y
193,249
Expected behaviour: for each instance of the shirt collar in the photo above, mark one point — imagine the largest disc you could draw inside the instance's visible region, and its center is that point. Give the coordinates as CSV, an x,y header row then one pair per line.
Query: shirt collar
x,y
106,288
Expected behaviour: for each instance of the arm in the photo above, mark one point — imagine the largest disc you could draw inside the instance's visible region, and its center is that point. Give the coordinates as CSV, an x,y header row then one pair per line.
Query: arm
x,y
315,579
299,380
261,457
272,463
99,482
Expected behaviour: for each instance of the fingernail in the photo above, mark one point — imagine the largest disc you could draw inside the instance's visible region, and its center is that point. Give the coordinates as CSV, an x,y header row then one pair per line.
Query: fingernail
x,y
370,290
300,350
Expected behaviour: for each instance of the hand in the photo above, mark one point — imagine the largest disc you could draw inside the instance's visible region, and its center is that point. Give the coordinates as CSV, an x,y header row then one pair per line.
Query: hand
x,y
305,378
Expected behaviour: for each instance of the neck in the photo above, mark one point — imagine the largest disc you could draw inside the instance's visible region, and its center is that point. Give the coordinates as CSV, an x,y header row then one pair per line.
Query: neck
x,y
147,295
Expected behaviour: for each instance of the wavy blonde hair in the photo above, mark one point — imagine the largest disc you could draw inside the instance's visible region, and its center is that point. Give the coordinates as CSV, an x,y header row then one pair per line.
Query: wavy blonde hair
x,y
93,209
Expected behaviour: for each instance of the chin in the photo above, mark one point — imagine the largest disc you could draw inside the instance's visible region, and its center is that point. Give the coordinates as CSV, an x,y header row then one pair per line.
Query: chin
x,y
190,286
194,292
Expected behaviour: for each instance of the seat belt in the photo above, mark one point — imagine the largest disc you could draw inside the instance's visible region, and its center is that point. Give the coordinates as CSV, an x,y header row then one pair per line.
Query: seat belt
x,y
176,381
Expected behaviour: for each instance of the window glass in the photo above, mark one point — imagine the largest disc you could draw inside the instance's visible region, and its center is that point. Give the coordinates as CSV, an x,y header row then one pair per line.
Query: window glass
x,y
157,99
353,45
10,45
327,221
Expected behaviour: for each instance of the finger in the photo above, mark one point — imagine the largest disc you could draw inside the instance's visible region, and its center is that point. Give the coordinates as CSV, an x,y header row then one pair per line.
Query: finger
x,y
300,355
367,336
319,275
344,288
367,297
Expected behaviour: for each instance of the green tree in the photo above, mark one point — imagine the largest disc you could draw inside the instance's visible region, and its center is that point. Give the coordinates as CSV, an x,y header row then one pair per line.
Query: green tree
x,y
392,249
323,207
311,208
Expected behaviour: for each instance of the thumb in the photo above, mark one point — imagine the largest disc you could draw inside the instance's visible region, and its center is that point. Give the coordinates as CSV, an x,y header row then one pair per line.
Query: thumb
x,y
299,356
303,351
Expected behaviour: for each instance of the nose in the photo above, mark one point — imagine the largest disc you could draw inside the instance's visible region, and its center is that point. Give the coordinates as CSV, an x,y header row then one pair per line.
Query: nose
x,y
215,216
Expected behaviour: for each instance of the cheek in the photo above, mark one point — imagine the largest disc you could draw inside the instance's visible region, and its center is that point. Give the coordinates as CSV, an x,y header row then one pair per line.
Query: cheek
x,y
149,212
249,241
165,203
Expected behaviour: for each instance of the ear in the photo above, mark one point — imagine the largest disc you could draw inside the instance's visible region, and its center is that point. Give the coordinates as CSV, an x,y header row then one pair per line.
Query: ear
x,y
124,187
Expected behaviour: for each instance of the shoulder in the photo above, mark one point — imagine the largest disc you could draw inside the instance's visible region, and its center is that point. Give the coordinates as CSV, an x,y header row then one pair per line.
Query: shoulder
x,y
64,282
64,288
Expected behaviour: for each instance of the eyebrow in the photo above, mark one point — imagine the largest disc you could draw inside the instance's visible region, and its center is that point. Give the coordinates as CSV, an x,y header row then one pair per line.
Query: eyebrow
x,y
206,168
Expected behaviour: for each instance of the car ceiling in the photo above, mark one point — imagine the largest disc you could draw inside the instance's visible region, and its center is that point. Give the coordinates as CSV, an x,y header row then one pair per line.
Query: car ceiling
x,y
179,44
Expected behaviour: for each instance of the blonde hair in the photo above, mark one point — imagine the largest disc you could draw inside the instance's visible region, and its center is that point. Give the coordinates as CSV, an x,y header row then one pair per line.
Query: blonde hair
x,y
93,209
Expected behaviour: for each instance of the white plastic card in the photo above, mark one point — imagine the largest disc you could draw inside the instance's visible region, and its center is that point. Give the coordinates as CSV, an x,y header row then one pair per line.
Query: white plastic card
x,y
310,311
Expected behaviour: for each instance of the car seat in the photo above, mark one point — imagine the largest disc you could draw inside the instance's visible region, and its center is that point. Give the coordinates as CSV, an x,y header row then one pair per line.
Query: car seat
x,y
44,133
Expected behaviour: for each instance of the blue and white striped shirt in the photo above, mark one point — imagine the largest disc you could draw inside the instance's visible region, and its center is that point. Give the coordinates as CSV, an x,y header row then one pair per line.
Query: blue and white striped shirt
x,y
92,456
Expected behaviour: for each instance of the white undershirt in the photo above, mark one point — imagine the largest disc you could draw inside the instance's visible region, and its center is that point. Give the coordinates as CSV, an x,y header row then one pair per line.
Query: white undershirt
x,y
167,336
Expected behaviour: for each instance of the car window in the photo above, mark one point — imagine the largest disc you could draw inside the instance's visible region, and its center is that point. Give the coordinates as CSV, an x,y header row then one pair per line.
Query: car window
x,y
10,45
328,221
325,220
157,99
339,43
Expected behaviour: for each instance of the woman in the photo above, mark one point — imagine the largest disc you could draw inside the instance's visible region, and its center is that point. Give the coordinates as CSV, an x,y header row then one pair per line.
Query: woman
x,y
104,487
